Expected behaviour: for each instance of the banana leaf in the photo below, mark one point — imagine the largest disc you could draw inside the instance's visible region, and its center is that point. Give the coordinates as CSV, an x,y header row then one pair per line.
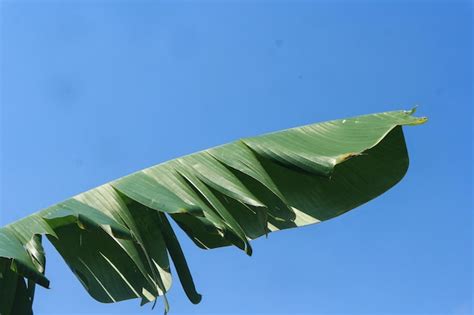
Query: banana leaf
x,y
118,240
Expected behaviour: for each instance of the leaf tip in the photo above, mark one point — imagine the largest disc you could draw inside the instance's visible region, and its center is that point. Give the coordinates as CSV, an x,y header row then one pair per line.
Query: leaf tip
x,y
196,299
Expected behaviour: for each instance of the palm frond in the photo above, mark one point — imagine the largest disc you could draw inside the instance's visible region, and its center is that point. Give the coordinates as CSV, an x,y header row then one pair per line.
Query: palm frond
x,y
117,238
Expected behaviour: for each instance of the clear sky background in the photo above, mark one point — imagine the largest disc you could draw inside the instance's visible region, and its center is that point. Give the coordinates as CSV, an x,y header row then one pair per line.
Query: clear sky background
x,y
94,90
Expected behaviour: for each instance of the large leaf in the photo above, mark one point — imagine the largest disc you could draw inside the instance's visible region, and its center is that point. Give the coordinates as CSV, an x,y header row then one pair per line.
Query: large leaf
x,y
117,239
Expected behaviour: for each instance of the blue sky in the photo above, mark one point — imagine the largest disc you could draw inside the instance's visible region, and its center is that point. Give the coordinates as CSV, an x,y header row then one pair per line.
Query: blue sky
x,y
93,90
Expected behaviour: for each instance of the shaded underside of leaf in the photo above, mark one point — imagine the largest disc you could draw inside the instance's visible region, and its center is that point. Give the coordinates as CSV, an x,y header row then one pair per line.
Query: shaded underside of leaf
x,y
117,239
17,293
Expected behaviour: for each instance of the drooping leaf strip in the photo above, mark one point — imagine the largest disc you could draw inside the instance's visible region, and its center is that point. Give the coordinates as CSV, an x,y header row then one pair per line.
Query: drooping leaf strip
x,y
117,238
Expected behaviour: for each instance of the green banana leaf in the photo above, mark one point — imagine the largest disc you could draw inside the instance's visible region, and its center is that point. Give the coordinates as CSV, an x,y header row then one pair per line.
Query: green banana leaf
x,y
117,238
